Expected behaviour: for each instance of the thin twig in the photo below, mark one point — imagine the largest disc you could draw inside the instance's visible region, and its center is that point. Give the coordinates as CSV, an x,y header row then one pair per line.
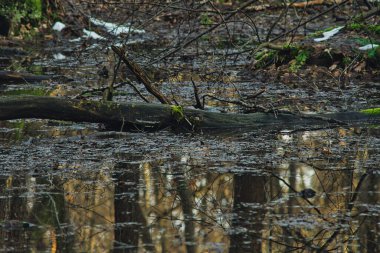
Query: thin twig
x,y
256,94
282,14
141,75
101,89
235,102
180,47
349,208
137,90
295,28
309,20
198,103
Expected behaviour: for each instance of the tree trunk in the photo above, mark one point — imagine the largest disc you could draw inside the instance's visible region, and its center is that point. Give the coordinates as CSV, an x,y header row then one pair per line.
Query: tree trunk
x,y
150,117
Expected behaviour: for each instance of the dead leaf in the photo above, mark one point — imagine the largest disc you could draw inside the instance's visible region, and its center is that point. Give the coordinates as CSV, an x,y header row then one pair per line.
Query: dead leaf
x,y
359,67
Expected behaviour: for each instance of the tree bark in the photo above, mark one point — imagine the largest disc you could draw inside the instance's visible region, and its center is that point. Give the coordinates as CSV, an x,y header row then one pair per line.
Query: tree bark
x,y
18,77
151,117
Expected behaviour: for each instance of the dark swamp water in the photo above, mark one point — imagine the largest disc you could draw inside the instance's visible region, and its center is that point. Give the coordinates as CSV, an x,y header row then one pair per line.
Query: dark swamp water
x,y
79,188
165,192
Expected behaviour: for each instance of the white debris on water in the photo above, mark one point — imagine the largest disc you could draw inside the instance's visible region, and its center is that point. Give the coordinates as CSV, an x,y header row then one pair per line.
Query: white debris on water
x,y
111,28
115,29
128,42
368,47
329,34
59,56
75,40
58,26
92,35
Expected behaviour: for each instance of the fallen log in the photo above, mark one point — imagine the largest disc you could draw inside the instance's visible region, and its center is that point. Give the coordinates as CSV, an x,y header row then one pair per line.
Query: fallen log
x,y
151,117
18,77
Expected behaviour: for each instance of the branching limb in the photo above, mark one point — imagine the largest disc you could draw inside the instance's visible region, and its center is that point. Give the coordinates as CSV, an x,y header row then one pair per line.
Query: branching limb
x,y
101,89
141,76
212,28
136,90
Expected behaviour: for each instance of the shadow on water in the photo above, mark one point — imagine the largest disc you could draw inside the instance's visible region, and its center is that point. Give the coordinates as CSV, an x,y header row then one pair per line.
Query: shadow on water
x,y
312,191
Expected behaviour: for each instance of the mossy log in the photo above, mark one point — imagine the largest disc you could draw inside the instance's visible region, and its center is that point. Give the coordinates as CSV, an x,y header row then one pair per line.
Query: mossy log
x,y
18,77
151,117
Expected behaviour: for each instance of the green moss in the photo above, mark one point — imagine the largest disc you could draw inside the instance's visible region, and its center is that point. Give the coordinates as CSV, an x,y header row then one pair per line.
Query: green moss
x,y
374,28
358,27
299,60
177,112
205,19
31,92
347,60
20,126
265,58
355,26
295,55
371,111
373,53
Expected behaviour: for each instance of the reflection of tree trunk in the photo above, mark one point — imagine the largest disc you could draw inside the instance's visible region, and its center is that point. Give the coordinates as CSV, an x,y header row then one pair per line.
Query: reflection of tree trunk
x,y
46,209
128,216
275,191
13,208
53,204
248,189
187,208
291,203
368,233
373,239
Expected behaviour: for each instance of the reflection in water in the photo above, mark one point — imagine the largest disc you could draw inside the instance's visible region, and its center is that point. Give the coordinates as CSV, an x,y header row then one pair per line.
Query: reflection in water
x,y
249,199
130,223
90,211
236,193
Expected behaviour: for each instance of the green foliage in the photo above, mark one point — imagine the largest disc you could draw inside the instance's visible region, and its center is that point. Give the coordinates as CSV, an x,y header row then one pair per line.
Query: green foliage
x,y
205,37
22,12
296,56
205,19
372,53
347,60
36,9
354,26
374,28
358,27
299,60
266,57
20,128
371,111
363,41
